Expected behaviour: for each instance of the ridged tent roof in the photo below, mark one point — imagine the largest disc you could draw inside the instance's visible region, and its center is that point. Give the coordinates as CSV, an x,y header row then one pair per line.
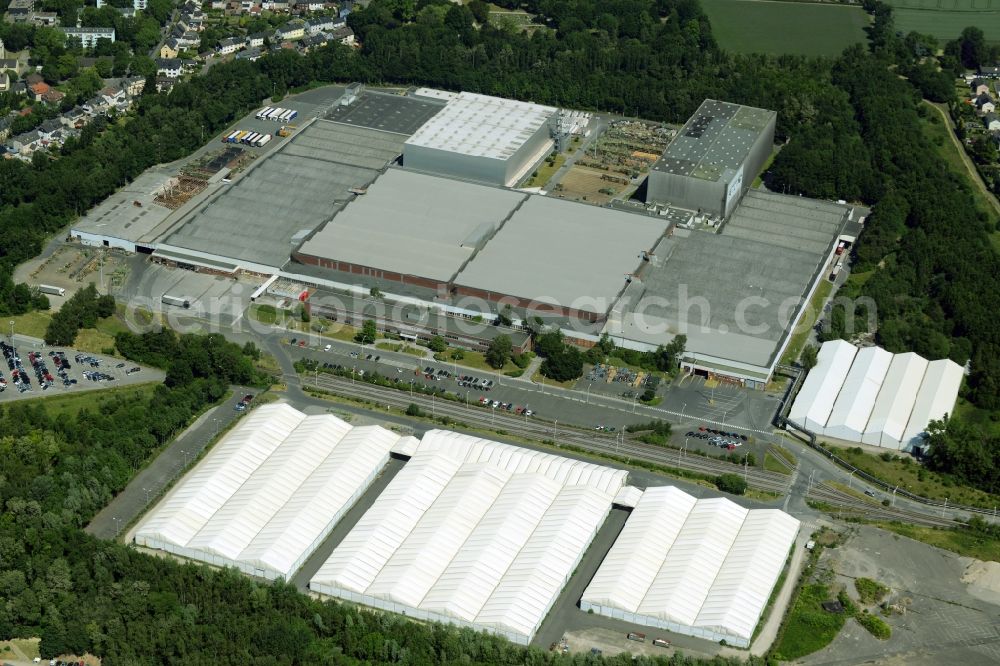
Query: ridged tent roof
x,y
475,530
269,490
701,563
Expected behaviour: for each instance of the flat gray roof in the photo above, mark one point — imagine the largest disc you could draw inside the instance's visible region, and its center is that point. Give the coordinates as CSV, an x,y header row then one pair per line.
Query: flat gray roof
x,y
717,137
563,253
289,191
118,216
735,294
415,224
386,112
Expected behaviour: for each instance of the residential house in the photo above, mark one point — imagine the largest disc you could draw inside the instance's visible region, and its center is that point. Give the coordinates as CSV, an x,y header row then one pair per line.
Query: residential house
x,y
4,81
20,11
278,6
290,31
989,72
344,35
309,5
164,84
321,24
311,42
133,85
45,19
229,45
345,8
24,144
38,89
251,54
127,12
984,103
4,128
139,4
47,128
256,40
10,64
991,121
218,4
169,67
979,86
170,48
33,78
53,96
75,117
88,37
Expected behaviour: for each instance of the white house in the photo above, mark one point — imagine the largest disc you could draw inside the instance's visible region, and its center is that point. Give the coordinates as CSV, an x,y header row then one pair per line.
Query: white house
x,y
89,37
230,45
991,121
321,24
256,40
168,67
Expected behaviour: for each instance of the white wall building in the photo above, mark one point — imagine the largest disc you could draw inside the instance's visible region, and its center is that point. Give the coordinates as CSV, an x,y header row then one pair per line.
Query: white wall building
x,y
701,568
477,137
89,37
473,533
819,391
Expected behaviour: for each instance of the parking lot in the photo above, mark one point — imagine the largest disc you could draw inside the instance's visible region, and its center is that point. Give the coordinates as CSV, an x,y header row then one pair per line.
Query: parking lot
x,y
33,370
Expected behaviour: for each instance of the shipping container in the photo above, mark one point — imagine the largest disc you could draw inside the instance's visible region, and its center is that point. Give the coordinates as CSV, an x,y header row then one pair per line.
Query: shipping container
x,y
263,112
293,115
263,140
284,115
250,138
275,113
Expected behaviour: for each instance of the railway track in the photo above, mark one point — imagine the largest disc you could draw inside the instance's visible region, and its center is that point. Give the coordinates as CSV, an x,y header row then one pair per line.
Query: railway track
x,y
847,503
621,446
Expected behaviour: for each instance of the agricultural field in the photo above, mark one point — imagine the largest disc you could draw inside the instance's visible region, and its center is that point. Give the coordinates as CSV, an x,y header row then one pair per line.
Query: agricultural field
x,y
767,26
945,19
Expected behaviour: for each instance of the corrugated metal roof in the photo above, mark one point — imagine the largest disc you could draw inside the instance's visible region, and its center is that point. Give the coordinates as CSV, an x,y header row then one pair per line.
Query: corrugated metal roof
x,y
857,396
819,391
936,397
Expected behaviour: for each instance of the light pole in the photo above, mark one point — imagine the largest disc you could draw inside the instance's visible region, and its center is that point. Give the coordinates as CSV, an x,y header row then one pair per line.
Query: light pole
x,y
945,507
146,490
12,333
588,392
894,497
555,430
634,396
746,467
683,407
466,399
850,479
493,418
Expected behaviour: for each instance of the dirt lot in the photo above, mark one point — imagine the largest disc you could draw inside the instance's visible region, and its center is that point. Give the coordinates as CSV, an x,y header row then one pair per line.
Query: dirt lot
x,y
72,267
585,184
950,604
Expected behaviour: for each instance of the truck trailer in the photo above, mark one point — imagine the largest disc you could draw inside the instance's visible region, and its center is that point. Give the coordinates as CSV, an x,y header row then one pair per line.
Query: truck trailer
x,y
263,140
49,289
177,301
263,112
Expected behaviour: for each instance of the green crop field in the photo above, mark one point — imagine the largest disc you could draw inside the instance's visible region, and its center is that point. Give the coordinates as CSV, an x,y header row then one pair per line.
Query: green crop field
x,y
765,26
945,19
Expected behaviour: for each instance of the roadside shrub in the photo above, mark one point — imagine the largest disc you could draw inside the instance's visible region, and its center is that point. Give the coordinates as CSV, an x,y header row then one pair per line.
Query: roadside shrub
x,y
731,483
870,591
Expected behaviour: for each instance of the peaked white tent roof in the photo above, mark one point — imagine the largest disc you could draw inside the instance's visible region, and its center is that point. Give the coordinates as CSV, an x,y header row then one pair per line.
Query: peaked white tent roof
x,y
701,567
819,391
857,396
936,397
895,401
473,532
269,492
883,399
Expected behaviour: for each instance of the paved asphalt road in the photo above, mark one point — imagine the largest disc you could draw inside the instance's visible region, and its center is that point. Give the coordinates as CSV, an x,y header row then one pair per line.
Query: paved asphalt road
x,y
151,481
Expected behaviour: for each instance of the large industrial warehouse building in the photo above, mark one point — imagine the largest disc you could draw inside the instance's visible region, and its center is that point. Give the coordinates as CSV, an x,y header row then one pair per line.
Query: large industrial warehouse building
x,y
702,568
477,137
875,397
269,492
474,533
714,158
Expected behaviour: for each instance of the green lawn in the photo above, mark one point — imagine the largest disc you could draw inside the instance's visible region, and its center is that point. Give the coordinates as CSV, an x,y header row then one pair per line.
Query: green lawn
x,y
754,26
808,627
71,403
474,360
801,333
545,172
945,19
963,542
33,324
914,477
